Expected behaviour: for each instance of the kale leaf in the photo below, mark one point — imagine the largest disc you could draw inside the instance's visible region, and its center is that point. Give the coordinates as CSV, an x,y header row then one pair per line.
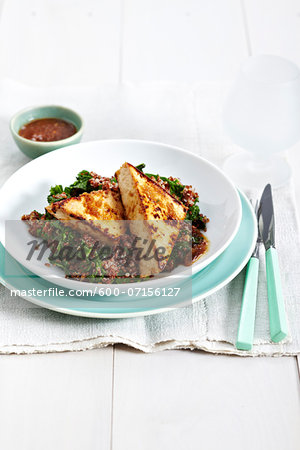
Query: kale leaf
x,y
78,187
55,190
176,188
193,212
195,216
82,183
140,167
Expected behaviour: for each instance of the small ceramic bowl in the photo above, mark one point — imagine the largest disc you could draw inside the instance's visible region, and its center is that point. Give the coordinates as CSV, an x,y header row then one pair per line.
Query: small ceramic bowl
x,y
33,149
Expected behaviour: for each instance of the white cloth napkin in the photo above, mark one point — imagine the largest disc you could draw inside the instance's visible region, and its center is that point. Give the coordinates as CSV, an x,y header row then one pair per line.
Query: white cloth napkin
x,y
186,116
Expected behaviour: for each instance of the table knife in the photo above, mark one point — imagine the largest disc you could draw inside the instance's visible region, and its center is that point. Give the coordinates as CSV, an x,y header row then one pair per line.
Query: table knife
x,y
245,333
266,224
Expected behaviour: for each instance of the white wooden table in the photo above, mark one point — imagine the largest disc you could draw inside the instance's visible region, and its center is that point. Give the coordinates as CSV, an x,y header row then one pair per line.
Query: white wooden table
x,y
117,398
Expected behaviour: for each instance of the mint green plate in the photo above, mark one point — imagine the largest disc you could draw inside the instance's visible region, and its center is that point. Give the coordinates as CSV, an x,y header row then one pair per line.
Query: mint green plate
x,y
202,284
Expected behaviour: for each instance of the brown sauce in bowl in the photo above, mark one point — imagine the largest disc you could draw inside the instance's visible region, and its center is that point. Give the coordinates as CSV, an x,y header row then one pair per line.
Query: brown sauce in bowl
x,y
47,130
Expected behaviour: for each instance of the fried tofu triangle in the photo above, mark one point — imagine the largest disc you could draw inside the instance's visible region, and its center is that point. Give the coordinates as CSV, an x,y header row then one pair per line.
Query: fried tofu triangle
x,y
155,216
99,213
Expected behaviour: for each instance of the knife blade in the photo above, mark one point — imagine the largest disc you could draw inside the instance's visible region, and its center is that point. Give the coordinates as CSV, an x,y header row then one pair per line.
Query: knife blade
x,y
266,224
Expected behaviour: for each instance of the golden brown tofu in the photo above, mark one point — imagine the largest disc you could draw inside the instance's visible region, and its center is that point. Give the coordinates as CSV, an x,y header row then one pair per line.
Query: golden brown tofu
x,y
155,215
99,213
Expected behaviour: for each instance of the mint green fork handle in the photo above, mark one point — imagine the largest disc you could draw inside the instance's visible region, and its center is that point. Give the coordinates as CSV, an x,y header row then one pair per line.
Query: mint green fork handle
x,y
277,314
247,318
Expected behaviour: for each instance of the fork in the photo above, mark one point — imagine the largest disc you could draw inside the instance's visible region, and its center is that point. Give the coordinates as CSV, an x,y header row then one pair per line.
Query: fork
x,y
247,317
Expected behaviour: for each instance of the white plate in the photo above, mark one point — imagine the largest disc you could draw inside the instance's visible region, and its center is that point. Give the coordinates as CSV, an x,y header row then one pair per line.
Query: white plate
x,y
27,189
111,306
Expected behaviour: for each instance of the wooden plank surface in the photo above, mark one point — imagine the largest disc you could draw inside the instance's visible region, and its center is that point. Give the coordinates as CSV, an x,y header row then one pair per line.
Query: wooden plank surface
x,y
182,40
57,401
191,400
60,42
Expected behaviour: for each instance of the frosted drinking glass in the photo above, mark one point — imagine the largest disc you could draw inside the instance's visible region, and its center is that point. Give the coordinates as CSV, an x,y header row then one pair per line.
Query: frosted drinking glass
x,y
262,115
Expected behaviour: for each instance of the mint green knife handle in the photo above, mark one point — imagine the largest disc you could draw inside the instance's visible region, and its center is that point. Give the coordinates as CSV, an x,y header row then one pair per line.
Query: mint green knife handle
x,y
247,319
277,314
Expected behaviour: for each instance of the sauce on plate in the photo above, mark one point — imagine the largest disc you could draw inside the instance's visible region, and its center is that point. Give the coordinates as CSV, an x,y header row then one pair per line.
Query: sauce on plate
x,y
47,130
199,248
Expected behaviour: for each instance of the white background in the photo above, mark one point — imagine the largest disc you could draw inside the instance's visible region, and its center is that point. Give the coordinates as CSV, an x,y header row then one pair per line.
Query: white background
x,y
117,398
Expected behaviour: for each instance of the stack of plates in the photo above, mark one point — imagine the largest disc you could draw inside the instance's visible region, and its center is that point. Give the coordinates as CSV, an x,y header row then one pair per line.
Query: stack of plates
x,y
231,230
